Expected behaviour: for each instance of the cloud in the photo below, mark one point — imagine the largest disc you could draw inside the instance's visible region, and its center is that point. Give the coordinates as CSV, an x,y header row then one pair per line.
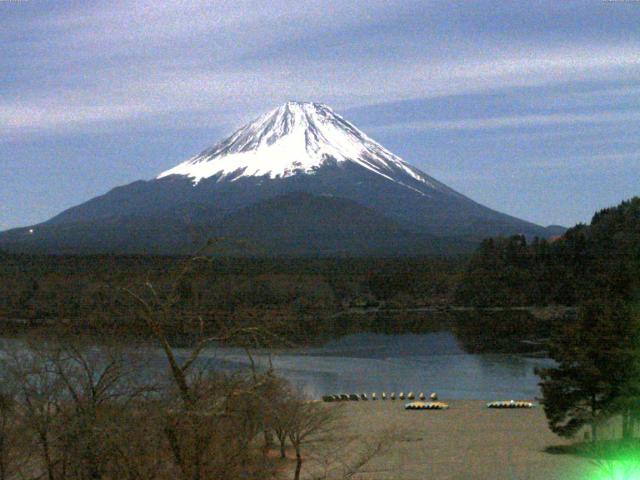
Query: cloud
x,y
211,64
229,94
613,159
517,121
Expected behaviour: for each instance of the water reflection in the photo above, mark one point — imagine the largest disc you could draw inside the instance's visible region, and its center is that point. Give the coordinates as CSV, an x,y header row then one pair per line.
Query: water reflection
x,y
370,362
461,355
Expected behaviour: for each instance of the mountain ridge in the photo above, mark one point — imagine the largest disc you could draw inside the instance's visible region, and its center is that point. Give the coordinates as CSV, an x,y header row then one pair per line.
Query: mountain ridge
x,y
297,147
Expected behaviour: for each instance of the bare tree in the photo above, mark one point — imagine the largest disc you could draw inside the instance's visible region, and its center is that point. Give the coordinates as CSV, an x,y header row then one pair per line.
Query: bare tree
x,y
39,395
71,402
8,432
308,421
317,434
343,459
212,419
98,385
281,400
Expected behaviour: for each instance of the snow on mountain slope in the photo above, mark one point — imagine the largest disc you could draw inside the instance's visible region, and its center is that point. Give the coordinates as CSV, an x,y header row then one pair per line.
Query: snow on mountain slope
x,y
297,138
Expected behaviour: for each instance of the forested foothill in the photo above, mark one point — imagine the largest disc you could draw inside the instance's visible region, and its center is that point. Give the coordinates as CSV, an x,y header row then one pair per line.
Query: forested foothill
x,y
312,296
602,258
87,290
593,390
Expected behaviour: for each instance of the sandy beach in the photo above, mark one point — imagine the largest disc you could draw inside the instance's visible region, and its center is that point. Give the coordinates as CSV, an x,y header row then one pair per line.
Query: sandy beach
x,y
468,441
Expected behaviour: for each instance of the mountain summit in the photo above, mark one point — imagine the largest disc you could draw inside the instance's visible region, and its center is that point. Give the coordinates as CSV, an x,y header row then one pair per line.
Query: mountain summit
x,y
298,180
296,138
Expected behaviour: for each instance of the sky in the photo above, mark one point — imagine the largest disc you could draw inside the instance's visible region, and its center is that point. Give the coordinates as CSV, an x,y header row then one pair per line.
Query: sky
x,y
531,108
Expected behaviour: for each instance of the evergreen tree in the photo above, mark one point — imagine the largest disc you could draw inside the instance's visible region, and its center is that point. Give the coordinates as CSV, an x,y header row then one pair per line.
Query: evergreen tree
x,y
597,373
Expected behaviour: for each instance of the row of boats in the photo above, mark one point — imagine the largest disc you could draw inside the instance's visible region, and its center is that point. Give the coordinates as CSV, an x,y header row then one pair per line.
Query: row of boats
x,y
419,405
383,396
510,404
426,406
444,406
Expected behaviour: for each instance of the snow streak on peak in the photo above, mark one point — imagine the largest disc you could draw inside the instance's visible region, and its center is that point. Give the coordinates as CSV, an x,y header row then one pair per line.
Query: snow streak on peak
x,y
296,138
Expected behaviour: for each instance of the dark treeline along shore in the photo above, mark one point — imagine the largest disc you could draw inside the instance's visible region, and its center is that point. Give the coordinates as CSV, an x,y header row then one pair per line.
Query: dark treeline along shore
x,y
308,298
303,301
302,296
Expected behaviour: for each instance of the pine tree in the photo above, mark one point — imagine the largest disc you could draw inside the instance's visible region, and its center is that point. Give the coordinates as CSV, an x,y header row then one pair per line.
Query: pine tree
x,y
597,370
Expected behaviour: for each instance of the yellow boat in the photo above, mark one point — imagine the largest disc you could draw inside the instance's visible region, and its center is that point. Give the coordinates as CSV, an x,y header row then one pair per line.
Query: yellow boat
x,y
426,406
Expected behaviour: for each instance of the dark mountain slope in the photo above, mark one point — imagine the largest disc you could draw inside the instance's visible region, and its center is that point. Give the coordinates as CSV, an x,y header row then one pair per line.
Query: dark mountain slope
x,y
291,224
303,224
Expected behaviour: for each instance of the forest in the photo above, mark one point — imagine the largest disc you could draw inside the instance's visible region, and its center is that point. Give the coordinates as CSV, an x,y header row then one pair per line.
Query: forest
x,y
601,258
306,295
88,290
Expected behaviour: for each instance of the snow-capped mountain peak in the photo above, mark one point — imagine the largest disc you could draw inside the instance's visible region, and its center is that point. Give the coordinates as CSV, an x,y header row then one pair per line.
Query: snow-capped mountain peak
x,y
299,180
296,138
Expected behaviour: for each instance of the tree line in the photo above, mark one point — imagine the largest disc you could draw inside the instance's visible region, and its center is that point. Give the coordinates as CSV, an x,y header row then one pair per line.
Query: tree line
x,y
601,258
79,289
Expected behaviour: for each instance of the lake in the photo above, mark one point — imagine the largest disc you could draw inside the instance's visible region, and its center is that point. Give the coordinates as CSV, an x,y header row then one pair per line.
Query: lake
x,y
377,362
372,362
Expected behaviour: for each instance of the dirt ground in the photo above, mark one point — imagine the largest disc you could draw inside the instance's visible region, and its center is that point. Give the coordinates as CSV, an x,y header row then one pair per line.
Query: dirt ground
x,y
466,442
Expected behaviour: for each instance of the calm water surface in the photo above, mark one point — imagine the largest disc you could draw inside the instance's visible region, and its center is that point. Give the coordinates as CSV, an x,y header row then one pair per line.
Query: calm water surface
x,y
369,362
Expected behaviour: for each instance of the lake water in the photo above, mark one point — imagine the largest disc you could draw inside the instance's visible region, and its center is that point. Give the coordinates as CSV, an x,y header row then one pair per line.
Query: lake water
x,y
374,362
369,362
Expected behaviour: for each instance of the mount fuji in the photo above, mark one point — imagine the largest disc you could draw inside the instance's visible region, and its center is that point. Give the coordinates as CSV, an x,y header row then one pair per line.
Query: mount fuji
x,y
298,180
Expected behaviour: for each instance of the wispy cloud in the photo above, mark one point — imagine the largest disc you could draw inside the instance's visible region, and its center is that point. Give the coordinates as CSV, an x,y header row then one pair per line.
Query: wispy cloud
x,y
602,160
518,121
141,60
